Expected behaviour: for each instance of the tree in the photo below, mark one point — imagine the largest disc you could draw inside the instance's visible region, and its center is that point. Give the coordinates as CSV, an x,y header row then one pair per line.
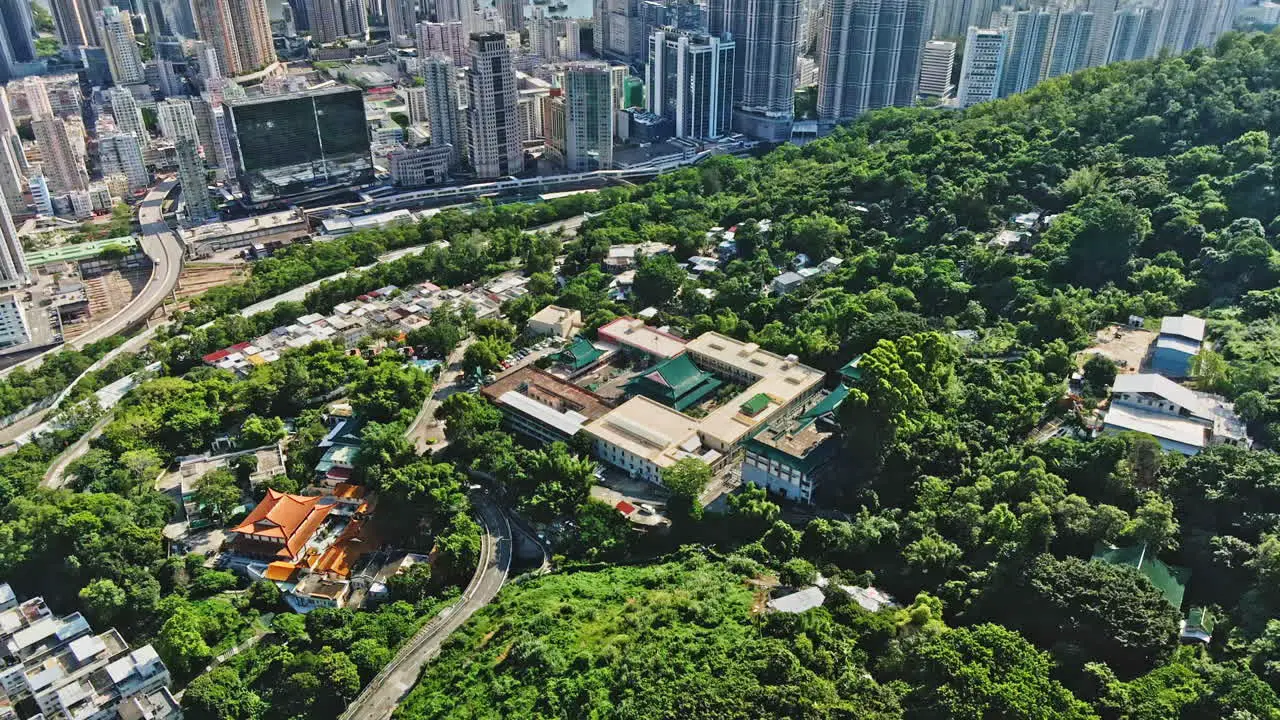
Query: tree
x,y
413,584
485,355
369,656
291,628
1099,374
258,431
467,416
493,327
658,279
217,495
389,387
1090,610
103,600
685,479
222,695
797,572
602,532
983,672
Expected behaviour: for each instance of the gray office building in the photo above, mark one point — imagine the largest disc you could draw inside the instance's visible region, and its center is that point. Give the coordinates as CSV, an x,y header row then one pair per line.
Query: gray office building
x,y
1029,35
494,140
301,143
1069,51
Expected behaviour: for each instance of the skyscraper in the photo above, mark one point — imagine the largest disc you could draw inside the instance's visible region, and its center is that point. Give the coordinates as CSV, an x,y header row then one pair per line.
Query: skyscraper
x,y
300,143
12,181
1028,37
493,121
983,65
16,32
441,82
192,178
63,168
619,32
512,14
402,16
127,113
589,116
689,79
333,19
869,56
1069,50
1134,36
116,32
74,21
13,264
239,31
443,37
1104,24
121,153
765,34
936,68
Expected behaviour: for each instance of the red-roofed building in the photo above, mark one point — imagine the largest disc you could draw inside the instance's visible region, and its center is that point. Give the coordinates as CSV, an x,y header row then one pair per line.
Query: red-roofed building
x,y
625,507
280,526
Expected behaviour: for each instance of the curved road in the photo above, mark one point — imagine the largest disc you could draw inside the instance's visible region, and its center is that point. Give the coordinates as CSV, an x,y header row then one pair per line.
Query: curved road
x,y
380,698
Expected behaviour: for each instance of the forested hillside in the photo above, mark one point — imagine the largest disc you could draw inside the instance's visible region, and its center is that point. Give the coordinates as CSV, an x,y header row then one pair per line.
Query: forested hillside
x,y
1162,176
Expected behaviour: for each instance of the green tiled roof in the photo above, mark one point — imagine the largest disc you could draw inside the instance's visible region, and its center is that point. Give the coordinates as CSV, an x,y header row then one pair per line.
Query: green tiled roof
x,y
850,371
1170,580
830,403
677,383
758,402
580,354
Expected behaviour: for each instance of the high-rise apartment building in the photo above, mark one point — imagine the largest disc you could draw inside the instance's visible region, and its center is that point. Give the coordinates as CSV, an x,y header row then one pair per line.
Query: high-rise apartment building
x,y
689,79
440,80
511,12
1069,48
62,166
1135,34
14,330
983,65
333,19
175,119
214,131
116,31
402,16
128,115
937,68
13,263
1028,38
619,32
589,116
239,31
765,35
870,56
1187,24
493,122
121,153
301,143
194,182
12,180
1104,25
443,37
17,46
74,21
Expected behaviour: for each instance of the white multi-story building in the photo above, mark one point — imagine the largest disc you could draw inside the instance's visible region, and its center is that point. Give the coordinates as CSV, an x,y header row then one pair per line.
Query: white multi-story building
x,y
493,122
936,69
983,65
120,153
116,31
69,672
41,198
1135,34
176,119
128,115
416,100
689,82
62,165
416,167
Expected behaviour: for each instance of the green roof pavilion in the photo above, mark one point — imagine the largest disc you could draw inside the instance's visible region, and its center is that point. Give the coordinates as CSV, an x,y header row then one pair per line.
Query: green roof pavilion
x,y
1170,580
579,355
676,383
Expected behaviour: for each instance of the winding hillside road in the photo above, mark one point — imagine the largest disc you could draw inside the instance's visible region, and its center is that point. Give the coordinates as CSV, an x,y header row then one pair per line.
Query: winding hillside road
x,y
381,696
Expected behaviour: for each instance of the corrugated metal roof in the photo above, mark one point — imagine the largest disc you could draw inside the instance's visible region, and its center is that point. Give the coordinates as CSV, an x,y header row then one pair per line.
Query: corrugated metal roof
x,y
1163,387
1187,326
